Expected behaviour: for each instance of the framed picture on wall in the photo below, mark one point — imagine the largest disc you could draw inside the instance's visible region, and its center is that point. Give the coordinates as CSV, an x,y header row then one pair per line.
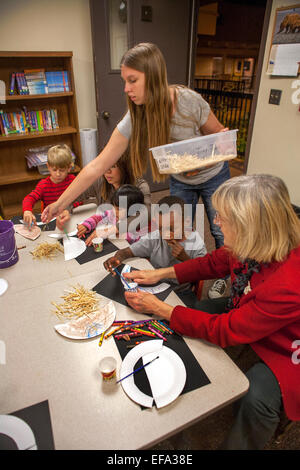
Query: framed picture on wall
x,y
286,28
284,57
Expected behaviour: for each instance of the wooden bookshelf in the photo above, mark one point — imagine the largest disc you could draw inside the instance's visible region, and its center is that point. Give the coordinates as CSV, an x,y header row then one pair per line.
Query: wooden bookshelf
x,y
16,180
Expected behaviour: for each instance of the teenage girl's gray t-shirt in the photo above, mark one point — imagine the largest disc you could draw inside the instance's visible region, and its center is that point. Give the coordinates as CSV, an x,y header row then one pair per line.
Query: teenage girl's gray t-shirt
x,y
191,113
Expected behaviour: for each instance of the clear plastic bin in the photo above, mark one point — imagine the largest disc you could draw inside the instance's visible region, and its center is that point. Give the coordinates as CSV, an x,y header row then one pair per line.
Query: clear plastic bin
x,y
197,153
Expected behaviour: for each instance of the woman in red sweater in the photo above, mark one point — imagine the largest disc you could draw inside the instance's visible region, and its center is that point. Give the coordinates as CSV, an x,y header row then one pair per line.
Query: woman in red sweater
x,y
262,255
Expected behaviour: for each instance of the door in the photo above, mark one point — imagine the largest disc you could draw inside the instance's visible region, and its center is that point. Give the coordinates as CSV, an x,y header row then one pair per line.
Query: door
x,y
117,25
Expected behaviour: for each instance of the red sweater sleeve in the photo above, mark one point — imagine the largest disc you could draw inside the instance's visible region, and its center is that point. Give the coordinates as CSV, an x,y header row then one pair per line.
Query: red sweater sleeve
x,y
36,195
46,191
273,307
211,266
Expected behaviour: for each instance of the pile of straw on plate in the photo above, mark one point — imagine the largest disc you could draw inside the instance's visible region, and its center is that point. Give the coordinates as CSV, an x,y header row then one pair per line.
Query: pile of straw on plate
x,y
76,303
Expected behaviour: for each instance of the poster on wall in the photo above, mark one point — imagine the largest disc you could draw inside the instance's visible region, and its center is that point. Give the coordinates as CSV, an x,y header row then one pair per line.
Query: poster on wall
x,y
284,56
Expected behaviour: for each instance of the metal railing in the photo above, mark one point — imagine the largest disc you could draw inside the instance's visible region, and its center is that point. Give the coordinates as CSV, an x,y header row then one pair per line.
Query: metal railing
x,y
232,109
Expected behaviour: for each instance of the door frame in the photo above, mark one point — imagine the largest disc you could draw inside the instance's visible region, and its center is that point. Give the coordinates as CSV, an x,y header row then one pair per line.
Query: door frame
x,y
260,61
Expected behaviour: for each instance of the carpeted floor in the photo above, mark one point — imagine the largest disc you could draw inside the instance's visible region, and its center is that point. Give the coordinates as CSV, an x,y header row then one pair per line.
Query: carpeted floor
x,y
209,433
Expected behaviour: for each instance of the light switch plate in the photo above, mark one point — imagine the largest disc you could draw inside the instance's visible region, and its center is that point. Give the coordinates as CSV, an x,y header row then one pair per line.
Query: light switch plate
x,y
146,14
275,96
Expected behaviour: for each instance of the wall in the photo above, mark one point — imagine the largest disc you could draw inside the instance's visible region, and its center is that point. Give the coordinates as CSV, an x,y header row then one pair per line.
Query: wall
x,y
275,146
54,25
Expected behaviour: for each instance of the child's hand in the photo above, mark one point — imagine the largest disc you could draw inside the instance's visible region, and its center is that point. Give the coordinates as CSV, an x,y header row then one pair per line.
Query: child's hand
x,y
81,230
177,250
62,219
29,219
111,263
89,240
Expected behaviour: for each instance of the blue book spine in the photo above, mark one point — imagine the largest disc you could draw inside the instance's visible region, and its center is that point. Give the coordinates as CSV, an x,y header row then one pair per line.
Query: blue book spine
x,y
19,84
12,84
24,84
3,122
9,126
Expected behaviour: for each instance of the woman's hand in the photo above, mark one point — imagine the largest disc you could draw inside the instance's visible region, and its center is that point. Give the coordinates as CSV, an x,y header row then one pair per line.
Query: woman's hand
x,y
51,211
144,302
29,219
62,219
150,276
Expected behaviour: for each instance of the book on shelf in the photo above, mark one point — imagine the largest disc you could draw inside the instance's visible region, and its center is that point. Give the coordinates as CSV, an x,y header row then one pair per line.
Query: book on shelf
x,y
39,82
37,156
36,81
24,121
58,81
12,84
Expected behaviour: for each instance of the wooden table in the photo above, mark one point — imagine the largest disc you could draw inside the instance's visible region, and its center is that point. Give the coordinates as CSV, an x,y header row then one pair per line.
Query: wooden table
x,y
42,365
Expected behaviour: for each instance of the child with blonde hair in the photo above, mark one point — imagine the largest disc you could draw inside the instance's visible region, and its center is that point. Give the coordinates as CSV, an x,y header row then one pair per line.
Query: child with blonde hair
x,y
48,190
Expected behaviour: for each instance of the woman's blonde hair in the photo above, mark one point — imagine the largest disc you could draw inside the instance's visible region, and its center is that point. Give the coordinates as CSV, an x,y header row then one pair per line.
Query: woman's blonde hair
x,y
150,121
259,211
59,156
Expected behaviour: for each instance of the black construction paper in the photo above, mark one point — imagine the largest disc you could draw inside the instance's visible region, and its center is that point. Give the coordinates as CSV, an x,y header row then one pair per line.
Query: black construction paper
x,y
112,287
90,254
38,418
195,376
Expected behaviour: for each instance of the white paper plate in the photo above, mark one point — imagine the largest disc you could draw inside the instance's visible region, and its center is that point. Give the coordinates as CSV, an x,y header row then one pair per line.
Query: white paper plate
x,y
166,375
91,326
61,235
3,285
73,247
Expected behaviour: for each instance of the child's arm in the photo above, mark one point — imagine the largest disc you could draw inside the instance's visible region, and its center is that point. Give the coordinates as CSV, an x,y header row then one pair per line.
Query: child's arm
x,y
32,198
91,222
117,259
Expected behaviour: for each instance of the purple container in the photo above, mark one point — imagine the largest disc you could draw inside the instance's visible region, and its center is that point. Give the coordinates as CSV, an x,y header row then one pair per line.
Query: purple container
x,y
8,247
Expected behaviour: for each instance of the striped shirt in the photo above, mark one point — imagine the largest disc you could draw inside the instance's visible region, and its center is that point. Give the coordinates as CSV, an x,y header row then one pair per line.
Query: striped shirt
x,y
47,192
